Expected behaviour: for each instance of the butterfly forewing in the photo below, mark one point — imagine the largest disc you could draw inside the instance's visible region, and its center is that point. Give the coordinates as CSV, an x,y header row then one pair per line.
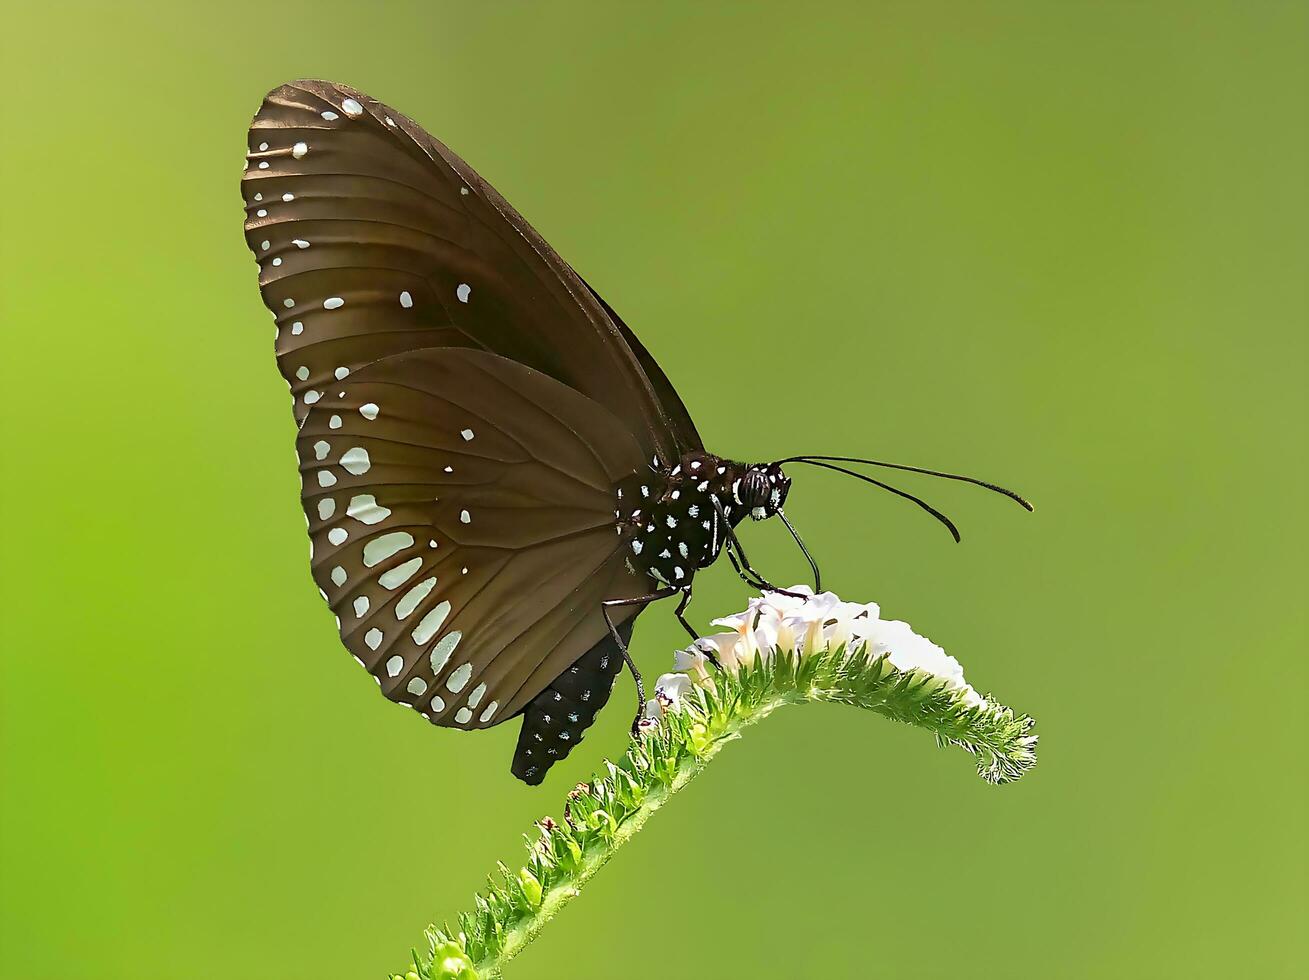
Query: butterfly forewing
x,y
373,238
461,512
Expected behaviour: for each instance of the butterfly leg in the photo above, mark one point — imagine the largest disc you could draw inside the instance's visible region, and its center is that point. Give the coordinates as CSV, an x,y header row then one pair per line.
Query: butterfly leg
x,y
640,600
736,555
681,606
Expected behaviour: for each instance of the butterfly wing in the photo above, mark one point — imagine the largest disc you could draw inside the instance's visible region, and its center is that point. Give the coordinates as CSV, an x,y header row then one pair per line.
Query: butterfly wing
x,y
684,432
373,239
461,511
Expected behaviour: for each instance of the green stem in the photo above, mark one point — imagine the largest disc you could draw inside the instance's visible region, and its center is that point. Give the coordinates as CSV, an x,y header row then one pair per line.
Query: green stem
x,y
553,901
602,816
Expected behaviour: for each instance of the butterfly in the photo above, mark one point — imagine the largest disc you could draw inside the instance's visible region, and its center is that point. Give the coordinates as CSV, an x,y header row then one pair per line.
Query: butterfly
x,y
496,475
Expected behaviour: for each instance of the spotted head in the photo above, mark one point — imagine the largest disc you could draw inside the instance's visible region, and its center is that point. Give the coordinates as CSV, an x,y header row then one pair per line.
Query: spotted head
x,y
762,489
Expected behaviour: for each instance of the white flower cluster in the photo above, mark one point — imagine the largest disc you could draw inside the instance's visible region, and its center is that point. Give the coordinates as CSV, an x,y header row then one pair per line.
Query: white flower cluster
x,y
803,625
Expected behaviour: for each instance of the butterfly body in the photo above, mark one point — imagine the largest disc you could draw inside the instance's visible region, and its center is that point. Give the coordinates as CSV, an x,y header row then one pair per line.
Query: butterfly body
x,y
678,517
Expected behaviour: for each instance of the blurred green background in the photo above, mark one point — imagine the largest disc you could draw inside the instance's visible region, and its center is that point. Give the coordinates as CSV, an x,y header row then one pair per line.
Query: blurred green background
x,y
1062,246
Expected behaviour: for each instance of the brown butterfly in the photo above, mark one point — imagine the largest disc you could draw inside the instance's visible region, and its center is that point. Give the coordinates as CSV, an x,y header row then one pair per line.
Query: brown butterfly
x,y
497,476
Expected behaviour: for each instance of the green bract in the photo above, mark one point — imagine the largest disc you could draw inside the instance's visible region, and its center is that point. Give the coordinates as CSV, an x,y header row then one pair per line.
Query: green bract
x,y
601,815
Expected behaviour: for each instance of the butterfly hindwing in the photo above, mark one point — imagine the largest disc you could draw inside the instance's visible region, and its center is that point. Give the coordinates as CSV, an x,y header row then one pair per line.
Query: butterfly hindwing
x,y
461,510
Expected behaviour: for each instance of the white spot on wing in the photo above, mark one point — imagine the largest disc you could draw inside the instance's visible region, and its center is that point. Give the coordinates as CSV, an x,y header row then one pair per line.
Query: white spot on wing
x,y
462,291
429,624
331,116
464,517
410,600
338,576
384,546
333,303
299,150
326,479
373,638
416,686
467,435
364,507
326,508
406,300
444,647
321,448
394,665
356,460
490,710
368,411
398,576
476,696
458,678
352,108
438,704
361,606
338,535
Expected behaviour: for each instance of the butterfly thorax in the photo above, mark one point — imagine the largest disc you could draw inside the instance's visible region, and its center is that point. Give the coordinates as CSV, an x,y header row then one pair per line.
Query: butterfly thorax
x,y
675,515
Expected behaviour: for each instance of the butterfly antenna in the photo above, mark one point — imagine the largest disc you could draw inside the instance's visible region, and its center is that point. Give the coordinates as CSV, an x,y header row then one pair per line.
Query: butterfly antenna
x,y
813,461
1018,498
818,576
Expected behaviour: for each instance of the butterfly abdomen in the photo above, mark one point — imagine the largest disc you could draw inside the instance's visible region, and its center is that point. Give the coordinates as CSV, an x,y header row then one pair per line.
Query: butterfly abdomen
x,y
555,720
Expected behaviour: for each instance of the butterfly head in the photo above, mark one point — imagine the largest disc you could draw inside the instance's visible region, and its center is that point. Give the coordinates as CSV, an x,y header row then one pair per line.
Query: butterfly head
x,y
763,489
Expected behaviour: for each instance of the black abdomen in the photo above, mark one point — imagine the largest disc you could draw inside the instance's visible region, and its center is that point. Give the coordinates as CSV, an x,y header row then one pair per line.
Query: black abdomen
x,y
554,720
